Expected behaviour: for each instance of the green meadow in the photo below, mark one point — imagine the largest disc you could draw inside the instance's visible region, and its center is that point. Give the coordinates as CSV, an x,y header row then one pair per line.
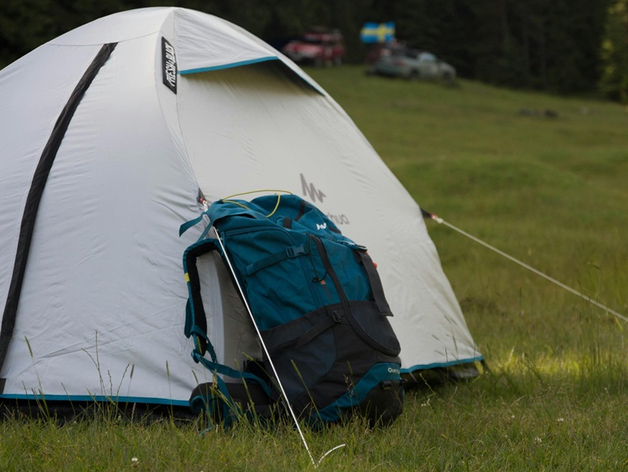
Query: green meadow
x,y
549,190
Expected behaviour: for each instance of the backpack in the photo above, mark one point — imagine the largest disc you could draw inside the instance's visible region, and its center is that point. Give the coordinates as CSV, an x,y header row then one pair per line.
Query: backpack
x,y
318,304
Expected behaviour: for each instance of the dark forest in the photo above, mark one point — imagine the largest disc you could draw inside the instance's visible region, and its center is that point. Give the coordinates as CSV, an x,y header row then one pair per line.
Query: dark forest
x,y
554,46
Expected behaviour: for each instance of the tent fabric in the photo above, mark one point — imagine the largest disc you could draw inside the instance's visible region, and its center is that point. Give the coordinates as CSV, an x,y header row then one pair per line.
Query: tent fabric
x,y
102,304
35,193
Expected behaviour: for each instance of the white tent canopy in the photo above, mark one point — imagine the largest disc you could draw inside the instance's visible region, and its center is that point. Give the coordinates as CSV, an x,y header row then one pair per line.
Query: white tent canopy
x,y
108,135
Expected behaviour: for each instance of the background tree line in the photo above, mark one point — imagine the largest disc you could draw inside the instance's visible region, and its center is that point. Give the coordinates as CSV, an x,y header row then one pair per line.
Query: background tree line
x,y
563,46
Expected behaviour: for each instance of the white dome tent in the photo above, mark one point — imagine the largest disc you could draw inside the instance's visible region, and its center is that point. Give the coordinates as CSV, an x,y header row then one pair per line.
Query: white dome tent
x,y
109,135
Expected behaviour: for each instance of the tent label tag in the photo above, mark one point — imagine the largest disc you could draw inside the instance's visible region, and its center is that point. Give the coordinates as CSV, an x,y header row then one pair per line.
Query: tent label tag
x,y
169,64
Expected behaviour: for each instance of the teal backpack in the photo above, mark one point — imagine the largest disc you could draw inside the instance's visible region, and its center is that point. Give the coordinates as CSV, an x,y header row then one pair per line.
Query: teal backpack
x,y
319,306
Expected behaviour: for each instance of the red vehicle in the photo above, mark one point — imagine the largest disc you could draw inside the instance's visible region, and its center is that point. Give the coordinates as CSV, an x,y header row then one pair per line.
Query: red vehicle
x,y
317,48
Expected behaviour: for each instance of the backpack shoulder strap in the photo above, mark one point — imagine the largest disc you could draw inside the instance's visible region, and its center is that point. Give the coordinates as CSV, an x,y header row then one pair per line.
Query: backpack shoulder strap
x,y
195,317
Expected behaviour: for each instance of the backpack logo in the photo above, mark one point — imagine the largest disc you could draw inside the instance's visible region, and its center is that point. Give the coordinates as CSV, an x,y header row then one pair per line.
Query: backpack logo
x,y
309,190
323,226
169,64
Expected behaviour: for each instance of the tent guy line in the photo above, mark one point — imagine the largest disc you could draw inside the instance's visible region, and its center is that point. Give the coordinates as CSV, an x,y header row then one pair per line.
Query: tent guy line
x,y
272,365
428,215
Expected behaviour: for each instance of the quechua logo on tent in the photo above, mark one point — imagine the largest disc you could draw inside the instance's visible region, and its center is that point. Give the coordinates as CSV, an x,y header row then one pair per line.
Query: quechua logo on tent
x,y
309,190
169,65
315,195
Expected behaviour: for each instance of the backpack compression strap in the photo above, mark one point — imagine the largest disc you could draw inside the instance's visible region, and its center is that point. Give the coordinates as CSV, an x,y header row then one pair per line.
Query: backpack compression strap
x,y
375,281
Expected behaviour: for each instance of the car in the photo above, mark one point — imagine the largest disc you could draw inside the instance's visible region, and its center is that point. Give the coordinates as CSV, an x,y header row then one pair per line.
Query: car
x,y
380,50
414,64
317,48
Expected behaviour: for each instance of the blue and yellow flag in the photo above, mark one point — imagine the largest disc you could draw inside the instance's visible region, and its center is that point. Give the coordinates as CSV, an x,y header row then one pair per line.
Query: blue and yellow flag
x,y
378,32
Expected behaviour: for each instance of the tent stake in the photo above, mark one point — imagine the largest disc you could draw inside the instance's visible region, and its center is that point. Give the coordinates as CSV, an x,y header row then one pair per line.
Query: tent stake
x,y
270,361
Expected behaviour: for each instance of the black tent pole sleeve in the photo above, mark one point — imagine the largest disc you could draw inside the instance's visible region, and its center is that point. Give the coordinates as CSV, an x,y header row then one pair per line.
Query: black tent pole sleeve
x,y
35,193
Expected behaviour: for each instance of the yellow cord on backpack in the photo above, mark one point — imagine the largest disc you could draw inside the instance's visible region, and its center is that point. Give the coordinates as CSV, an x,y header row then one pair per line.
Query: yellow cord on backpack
x,y
236,203
226,199
276,206
257,191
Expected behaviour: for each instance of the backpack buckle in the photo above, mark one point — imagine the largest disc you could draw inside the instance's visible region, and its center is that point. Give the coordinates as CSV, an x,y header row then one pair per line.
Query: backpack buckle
x,y
295,251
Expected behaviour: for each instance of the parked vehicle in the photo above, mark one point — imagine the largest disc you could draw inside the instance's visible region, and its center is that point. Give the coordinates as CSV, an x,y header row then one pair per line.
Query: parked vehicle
x,y
379,50
317,48
414,64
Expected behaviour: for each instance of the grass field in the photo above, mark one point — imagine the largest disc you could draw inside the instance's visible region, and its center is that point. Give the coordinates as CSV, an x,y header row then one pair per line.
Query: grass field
x,y
550,191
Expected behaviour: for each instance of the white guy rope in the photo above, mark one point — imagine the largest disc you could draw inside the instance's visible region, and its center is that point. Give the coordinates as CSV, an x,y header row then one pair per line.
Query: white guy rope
x,y
270,361
523,264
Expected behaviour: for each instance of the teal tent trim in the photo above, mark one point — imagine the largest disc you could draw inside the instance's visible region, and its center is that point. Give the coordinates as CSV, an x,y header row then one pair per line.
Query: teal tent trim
x,y
228,66
259,60
97,398
436,365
